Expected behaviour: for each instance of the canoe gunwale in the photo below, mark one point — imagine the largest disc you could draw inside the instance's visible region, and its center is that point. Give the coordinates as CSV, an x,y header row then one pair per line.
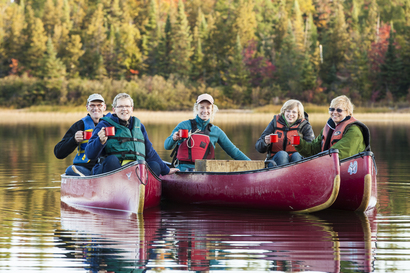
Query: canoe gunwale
x,y
305,159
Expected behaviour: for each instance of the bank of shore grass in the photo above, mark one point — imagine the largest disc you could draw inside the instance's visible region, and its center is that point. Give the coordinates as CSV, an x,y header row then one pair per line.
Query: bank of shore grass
x,y
68,115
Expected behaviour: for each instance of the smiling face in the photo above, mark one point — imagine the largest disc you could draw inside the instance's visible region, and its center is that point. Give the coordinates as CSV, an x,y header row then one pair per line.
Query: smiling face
x,y
123,109
291,114
336,115
96,109
204,110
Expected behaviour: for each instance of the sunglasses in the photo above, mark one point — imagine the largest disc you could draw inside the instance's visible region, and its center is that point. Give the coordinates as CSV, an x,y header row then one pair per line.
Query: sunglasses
x,y
337,109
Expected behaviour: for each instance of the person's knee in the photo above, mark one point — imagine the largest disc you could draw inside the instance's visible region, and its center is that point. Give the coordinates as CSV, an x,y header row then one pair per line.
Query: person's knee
x,y
111,163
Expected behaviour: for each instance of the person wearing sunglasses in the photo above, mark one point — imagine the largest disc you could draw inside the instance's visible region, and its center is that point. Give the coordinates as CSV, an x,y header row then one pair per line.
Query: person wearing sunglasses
x,y
74,138
129,141
342,131
291,119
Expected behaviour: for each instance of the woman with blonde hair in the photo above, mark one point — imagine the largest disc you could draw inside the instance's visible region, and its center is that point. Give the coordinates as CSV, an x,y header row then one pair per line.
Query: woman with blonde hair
x,y
291,119
342,131
202,138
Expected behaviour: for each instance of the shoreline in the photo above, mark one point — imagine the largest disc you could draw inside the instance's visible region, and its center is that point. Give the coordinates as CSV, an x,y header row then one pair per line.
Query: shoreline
x,y
156,117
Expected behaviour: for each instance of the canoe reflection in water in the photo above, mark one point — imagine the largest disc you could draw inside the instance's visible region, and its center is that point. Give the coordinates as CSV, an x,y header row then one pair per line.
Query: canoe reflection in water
x,y
200,239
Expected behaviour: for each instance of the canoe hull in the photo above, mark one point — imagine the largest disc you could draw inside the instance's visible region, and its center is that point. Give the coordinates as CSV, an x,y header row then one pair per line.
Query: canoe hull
x,y
358,183
130,188
305,186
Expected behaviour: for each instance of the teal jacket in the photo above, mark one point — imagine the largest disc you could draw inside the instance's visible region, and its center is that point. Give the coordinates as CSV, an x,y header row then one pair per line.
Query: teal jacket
x,y
216,136
351,143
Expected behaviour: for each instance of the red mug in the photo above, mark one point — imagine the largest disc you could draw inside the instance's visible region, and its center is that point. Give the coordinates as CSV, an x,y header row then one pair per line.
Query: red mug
x,y
110,131
183,133
273,138
295,140
87,134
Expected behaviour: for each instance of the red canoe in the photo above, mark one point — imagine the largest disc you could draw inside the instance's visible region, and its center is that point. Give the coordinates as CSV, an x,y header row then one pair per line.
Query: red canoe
x,y
358,185
133,188
309,185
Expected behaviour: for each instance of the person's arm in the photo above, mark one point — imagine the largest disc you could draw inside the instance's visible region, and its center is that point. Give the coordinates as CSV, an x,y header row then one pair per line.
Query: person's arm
x,y
307,132
306,148
261,145
152,155
351,143
95,147
228,146
174,138
68,143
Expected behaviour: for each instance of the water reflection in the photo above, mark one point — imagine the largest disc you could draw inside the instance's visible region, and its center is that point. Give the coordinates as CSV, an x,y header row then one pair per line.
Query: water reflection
x,y
199,239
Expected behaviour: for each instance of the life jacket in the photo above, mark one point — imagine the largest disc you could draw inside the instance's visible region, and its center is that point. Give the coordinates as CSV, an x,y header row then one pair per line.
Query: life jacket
x,y
340,129
127,145
284,135
80,157
197,146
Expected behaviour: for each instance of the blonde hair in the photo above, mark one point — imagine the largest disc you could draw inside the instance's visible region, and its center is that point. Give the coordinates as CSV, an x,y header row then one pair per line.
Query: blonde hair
x,y
214,110
343,103
290,104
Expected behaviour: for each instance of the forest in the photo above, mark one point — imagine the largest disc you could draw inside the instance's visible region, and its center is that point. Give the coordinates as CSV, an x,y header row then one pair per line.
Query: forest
x,y
246,53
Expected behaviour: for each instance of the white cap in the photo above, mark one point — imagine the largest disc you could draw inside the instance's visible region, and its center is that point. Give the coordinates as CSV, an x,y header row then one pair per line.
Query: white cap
x,y
206,97
94,97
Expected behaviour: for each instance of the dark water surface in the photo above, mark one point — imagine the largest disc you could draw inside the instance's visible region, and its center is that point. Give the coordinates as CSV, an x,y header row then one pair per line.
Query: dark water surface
x,y
38,233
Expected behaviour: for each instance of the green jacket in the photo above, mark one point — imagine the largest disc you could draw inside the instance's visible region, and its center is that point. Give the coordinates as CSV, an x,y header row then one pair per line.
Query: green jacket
x,y
351,143
126,144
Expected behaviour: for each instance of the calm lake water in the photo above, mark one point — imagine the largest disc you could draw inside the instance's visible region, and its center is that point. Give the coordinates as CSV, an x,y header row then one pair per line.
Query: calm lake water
x,y
38,233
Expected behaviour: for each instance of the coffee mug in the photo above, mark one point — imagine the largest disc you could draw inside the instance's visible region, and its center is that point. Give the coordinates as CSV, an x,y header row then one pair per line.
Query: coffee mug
x,y
295,140
183,133
110,131
273,138
87,134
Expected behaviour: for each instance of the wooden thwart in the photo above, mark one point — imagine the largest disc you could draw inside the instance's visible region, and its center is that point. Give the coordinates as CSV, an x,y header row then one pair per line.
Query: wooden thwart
x,y
228,165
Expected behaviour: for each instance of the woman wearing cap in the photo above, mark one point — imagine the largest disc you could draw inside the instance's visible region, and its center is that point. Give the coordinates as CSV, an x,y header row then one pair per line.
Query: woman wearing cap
x,y
342,131
202,137
292,118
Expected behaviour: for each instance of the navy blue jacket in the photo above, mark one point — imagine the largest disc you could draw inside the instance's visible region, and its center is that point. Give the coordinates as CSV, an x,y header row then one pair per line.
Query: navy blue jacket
x,y
95,149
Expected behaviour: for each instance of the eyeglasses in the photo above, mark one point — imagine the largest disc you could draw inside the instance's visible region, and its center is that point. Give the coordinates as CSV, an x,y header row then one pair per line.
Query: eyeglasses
x,y
337,109
123,106
95,105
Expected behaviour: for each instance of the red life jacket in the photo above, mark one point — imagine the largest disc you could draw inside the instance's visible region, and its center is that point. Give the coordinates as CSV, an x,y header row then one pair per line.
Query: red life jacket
x,y
284,136
197,146
340,130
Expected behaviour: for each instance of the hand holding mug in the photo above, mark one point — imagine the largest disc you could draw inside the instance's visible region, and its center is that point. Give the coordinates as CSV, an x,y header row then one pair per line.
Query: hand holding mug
x,y
79,136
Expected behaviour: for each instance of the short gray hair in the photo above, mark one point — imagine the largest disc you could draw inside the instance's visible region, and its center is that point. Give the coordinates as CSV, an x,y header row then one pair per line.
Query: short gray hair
x,y
344,103
122,96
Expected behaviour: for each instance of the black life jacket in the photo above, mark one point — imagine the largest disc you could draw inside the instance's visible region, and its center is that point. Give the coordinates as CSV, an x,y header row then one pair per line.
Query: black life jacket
x,y
197,146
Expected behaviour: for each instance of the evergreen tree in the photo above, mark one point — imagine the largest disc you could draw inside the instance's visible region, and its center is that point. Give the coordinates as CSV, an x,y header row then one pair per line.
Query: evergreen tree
x,y
50,17
298,29
149,41
51,66
336,44
3,59
237,75
129,53
245,22
73,52
14,36
391,71
282,25
164,49
265,13
370,28
198,56
94,42
35,45
181,44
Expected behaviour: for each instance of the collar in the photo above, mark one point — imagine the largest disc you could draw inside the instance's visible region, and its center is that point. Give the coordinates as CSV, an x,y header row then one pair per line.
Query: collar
x,y
333,125
200,122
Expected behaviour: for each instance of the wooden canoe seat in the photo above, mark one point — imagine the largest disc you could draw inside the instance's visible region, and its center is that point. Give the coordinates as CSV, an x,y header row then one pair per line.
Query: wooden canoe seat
x,y
207,165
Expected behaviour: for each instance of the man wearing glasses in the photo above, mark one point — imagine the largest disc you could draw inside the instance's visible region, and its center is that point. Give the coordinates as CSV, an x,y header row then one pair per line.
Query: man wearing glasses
x,y
128,143
77,137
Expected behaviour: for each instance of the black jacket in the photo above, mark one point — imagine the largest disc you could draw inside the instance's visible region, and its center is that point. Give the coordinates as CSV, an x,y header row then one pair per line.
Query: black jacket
x,y
306,130
68,144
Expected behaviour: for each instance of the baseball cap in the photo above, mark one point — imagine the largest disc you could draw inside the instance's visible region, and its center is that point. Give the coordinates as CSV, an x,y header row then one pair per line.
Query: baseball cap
x,y
94,97
206,97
